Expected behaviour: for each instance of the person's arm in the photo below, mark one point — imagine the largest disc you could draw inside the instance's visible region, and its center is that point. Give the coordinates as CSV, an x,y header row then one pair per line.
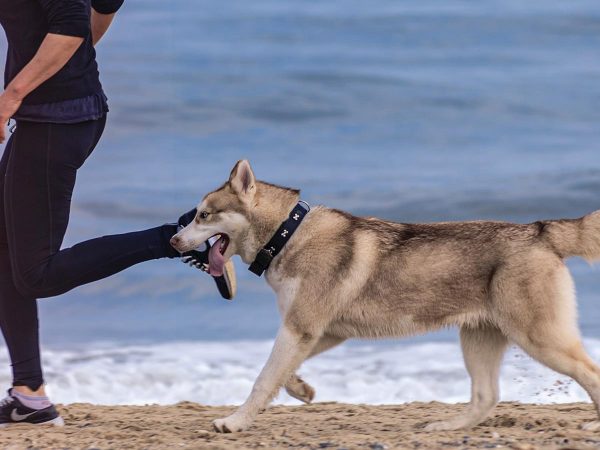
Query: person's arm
x,y
68,25
52,55
103,12
100,23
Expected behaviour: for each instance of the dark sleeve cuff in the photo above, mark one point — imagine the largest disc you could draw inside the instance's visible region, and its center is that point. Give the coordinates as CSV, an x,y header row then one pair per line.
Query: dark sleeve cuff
x,y
72,29
69,18
106,6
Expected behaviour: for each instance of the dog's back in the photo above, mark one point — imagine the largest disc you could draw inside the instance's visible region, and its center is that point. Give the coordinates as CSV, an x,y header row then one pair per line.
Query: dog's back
x,y
395,279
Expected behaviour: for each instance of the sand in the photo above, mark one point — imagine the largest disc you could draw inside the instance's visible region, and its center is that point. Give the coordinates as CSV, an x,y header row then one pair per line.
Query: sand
x,y
321,425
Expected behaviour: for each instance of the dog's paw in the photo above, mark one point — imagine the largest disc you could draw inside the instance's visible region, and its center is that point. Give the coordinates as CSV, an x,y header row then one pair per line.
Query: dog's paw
x,y
231,424
299,389
443,425
591,426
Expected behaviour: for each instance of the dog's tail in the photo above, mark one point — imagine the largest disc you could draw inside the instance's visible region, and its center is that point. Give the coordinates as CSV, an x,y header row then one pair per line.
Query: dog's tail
x,y
574,237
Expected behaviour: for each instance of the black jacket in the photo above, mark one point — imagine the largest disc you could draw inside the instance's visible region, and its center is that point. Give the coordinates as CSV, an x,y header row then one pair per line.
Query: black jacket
x,y
26,23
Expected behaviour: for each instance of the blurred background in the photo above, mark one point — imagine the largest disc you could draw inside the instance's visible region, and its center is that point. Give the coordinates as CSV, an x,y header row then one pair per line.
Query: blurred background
x,y
421,110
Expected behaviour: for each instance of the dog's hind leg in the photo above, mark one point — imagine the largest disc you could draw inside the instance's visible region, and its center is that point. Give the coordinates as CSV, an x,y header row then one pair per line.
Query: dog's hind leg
x,y
483,348
290,349
563,352
296,386
547,328
560,349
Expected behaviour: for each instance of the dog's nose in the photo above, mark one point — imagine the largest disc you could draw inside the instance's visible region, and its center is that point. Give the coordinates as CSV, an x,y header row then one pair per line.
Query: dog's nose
x,y
175,241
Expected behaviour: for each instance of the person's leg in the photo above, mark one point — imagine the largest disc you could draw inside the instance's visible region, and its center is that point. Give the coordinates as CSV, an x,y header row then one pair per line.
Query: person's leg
x,y
18,313
36,181
40,177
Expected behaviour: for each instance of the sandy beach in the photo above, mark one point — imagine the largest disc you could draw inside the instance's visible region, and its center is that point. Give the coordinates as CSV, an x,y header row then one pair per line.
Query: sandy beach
x,y
322,425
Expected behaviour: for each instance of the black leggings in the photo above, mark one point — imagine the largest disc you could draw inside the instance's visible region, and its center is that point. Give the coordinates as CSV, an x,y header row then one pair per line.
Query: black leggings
x,y
37,176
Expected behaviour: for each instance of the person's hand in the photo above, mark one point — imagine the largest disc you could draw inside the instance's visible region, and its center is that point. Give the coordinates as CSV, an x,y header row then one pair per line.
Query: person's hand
x,y
9,103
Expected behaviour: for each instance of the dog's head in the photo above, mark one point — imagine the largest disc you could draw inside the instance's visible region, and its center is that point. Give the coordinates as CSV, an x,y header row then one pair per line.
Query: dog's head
x,y
242,213
224,214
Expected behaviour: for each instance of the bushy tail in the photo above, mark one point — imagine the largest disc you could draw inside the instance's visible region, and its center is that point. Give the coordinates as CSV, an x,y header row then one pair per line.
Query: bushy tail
x,y
575,237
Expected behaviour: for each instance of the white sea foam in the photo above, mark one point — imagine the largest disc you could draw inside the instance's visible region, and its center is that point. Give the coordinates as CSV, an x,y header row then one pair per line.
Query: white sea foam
x,y
218,373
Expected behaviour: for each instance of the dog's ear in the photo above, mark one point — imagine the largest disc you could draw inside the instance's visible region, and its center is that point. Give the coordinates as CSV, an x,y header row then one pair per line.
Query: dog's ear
x,y
242,180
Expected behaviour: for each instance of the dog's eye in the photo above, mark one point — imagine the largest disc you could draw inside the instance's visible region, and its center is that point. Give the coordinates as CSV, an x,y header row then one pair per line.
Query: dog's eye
x,y
203,214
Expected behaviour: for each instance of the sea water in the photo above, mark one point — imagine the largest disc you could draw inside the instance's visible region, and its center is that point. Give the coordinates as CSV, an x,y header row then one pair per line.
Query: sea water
x,y
412,111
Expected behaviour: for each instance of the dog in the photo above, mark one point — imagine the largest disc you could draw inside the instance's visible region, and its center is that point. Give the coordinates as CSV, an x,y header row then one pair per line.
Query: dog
x,y
340,276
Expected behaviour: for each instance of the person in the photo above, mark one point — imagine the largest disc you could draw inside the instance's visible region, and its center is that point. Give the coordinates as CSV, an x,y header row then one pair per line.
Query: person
x,y
53,92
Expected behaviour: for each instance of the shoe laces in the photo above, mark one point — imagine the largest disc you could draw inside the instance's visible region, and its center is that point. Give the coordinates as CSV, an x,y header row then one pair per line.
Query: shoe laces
x,y
193,257
193,261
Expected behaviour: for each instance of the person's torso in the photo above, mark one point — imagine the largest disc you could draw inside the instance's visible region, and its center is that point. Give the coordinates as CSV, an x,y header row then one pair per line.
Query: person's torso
x,y
25,25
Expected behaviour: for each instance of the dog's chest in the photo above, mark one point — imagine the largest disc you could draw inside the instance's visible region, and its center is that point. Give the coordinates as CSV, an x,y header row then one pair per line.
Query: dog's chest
x,y
285,288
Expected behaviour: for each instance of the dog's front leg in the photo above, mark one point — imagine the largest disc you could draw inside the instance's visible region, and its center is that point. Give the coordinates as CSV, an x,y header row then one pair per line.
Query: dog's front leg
x,y
290,349
296,386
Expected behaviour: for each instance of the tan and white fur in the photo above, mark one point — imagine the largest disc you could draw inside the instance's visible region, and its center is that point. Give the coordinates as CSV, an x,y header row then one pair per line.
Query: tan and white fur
x,y
342,277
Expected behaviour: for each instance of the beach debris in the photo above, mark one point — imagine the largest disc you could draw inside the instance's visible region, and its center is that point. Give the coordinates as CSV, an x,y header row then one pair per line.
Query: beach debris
x,y
377,446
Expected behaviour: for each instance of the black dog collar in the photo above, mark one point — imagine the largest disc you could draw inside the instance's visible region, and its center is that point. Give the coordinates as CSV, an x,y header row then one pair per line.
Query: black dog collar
x,y
282,235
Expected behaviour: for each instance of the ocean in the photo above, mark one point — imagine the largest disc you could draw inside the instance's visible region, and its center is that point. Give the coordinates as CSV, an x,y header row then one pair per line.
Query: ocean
x,y
412,111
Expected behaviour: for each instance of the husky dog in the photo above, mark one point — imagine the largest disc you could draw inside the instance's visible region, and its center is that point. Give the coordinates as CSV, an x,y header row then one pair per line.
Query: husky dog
x,y
341,276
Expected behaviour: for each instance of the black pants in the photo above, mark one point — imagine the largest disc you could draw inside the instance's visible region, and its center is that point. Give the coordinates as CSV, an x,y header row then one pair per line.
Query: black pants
x,y
37,176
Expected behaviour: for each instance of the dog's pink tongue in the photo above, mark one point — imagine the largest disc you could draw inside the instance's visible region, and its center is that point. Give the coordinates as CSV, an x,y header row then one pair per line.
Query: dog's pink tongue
x,y
216,261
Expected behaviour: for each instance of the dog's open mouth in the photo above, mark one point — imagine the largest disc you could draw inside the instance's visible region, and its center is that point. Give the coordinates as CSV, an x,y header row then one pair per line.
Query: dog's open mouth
x,y
216,258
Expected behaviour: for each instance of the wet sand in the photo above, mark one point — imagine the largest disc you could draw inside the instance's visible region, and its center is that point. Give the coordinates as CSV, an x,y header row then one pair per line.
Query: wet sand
x,y
321,425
